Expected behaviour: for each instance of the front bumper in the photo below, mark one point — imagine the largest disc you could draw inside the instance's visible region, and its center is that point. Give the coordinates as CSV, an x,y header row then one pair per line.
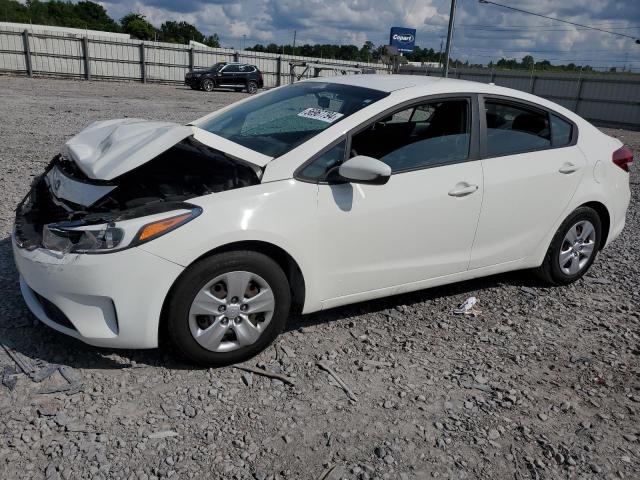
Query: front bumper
x,y
107,300
192,81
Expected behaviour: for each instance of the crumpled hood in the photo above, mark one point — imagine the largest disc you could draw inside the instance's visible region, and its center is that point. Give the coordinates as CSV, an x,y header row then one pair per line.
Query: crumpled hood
x,y
107,149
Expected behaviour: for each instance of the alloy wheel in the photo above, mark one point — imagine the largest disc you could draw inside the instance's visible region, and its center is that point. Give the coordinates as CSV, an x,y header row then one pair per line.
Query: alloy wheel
x,y
577,247
231,311
207,85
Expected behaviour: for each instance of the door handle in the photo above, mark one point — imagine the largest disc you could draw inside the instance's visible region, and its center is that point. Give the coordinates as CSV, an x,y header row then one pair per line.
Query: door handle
x,y
463,189
568,168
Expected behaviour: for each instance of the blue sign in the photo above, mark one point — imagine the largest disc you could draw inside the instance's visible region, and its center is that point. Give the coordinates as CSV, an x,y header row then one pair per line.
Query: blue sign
x,y
404,39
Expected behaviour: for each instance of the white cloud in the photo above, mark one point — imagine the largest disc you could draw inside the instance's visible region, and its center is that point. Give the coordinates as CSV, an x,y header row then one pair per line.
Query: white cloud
x,y
356,21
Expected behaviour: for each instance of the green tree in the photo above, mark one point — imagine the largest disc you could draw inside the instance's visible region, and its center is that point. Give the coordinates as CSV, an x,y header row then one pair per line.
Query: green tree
x,y
179,32
212,41
366,51
136,25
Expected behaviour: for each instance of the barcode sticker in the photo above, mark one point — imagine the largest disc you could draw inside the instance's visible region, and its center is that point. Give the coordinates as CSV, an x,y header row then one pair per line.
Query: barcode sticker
x,y
321,114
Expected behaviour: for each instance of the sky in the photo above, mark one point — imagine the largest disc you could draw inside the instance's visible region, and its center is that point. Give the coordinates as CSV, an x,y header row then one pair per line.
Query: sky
x,y
483,32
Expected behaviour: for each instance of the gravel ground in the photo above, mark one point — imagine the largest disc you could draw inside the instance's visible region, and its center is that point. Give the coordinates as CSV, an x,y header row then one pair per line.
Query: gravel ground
x,y
544,383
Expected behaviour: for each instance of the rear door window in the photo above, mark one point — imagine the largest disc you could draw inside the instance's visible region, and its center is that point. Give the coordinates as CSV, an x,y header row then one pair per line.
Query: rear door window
x,y
513,129
561,131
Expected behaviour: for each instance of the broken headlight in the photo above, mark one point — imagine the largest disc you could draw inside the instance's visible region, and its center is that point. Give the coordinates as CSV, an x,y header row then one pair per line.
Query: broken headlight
x,y
61,239
78,237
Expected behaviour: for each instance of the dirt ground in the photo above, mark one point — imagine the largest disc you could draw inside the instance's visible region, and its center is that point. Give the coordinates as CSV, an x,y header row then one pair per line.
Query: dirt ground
x,y
543,384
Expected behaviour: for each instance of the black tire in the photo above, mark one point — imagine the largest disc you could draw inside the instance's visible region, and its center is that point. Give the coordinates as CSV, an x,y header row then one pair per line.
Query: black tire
x,y
196,276
550,271
207,85
252,87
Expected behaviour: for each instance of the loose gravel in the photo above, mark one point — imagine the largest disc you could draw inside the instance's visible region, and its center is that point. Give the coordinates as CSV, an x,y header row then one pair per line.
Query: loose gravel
x,y
543,383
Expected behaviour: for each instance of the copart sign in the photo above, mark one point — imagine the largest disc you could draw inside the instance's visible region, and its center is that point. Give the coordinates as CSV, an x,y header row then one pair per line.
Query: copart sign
x,y
404,39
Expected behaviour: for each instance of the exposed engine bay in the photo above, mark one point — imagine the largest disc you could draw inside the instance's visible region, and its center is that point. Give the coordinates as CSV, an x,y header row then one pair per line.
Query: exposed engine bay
x,y
64,201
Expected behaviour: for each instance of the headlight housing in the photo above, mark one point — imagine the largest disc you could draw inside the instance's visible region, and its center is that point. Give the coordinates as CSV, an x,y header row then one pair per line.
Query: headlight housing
x,y
79,237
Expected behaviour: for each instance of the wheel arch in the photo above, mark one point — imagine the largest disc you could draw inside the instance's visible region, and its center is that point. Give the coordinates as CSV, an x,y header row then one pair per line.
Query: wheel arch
x,y
605,219
289,266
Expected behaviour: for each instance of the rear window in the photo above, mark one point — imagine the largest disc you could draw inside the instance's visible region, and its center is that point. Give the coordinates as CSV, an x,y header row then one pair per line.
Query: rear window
x,y
512,129
561,131
280,120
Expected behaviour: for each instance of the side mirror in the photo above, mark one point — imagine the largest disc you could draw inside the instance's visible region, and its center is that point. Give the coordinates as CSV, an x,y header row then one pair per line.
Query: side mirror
x,y
363,169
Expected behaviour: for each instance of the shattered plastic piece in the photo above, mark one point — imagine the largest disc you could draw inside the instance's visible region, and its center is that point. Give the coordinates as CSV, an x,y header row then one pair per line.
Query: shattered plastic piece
x,y
44,373
467,307
9,378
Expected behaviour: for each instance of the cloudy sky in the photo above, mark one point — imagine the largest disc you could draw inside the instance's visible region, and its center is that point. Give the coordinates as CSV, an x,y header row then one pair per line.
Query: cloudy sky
x,y
483,32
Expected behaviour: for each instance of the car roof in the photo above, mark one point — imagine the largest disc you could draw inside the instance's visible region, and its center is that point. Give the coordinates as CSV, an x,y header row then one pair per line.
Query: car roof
x,y
422,85
392,83
385,83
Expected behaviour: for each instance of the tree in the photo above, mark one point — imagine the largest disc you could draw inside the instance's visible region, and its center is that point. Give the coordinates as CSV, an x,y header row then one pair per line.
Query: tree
x,y
366,51
212,41
527,62
179,32
138,27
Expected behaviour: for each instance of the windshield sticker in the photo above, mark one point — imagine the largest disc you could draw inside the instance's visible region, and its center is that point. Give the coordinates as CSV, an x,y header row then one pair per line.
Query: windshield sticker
x,y
321,114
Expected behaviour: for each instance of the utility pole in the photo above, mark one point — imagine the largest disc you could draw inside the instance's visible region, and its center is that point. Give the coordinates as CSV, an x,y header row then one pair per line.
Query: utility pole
x,y
447,52
294,42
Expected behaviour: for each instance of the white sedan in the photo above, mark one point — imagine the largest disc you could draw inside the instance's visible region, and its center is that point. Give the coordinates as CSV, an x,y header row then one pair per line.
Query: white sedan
x,y
318,194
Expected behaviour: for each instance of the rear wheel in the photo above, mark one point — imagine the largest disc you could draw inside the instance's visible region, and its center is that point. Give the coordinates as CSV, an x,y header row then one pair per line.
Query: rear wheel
x,y
207,85
227,308
252,87
573,248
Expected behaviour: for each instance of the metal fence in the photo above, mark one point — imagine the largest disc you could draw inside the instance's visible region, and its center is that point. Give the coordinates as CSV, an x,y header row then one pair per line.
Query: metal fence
x,y
609,100
98,58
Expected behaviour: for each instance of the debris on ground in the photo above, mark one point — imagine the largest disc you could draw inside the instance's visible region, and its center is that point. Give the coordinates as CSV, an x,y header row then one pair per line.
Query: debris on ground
x,y
38,371
468,307
323,365
265,373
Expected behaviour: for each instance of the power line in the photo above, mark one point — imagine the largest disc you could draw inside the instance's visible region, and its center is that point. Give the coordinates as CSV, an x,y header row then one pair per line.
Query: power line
x,y
537,29
534,51
559,20
621,27
550,59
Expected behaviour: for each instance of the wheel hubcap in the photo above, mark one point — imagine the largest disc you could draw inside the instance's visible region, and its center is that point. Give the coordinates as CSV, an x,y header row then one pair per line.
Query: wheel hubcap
x,y
231,311
577,247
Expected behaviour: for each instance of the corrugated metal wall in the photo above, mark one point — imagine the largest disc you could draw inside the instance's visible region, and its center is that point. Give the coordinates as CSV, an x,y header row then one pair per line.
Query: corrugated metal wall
x,y
115,59
605,99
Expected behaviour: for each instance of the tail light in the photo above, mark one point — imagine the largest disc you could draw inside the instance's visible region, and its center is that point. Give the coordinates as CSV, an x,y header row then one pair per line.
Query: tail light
x,y
623,157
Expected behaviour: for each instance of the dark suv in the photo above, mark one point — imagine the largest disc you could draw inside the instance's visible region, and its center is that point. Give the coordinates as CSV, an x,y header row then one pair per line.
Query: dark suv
x,y
238,76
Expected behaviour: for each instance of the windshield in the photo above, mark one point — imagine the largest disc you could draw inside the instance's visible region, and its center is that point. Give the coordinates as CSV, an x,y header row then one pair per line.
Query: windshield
x,y
218,66
280,120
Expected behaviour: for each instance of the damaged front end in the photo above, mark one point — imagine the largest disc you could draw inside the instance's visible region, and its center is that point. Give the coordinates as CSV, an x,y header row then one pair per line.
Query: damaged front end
x,y
67,211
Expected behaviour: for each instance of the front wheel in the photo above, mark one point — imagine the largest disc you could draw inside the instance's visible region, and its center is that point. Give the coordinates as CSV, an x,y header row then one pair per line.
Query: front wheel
x,y
252,87
207,85
573,248
227,308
